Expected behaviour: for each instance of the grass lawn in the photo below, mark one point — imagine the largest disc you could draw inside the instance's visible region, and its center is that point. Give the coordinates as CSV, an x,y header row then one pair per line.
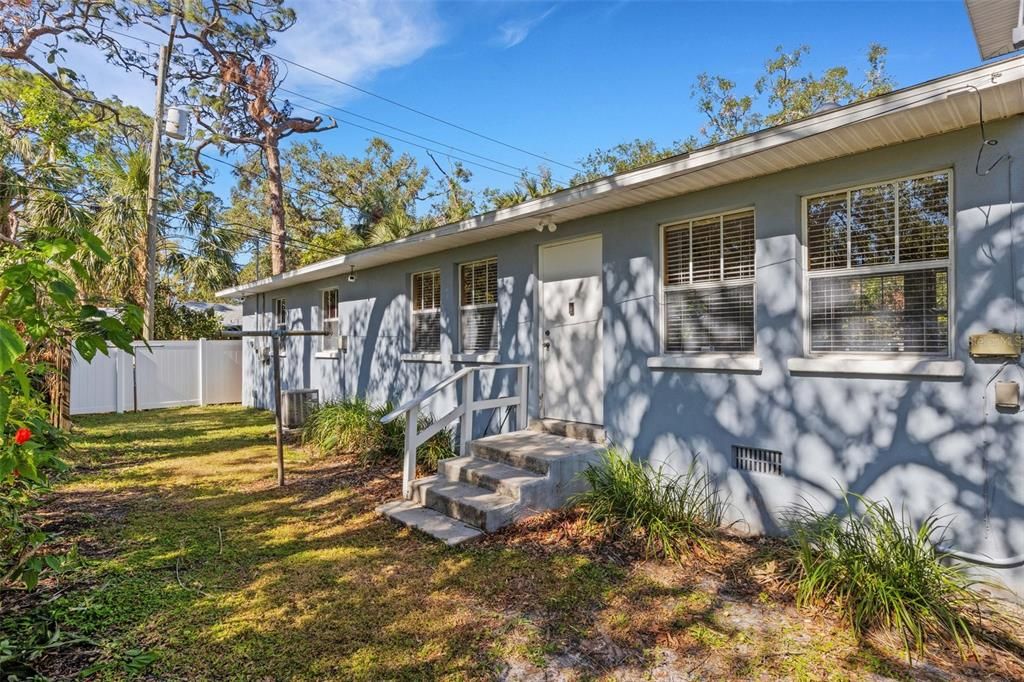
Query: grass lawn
x,y
195,566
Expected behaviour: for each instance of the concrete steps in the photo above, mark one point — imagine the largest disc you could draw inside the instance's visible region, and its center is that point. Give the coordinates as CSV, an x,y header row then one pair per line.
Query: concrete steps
x,y
434,523
505,477
588,432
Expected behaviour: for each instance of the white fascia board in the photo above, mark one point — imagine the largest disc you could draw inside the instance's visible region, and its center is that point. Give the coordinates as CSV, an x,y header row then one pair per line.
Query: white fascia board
x,y
982,78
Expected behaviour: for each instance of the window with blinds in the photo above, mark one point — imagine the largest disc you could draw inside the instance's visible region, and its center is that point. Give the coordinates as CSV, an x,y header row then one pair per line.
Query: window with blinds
x,y
878,267
426,312
329,320
478,306
708,282
280,313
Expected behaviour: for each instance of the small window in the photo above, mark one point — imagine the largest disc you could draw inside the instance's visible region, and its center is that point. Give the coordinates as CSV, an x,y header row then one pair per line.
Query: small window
x,y
426,312
708,283
878,267
478,306
329,320
280,313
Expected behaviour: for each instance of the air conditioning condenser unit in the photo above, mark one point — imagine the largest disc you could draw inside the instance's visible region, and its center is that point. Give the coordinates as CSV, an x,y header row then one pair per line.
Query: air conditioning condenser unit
x,y
297,404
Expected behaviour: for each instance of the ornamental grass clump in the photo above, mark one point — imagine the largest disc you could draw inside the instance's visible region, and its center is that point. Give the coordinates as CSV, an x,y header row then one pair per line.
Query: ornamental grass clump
x,y
886,575
353,426
671,512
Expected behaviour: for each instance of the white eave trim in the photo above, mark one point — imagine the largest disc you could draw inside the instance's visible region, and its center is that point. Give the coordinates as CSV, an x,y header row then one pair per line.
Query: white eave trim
x,y
894,368
983,77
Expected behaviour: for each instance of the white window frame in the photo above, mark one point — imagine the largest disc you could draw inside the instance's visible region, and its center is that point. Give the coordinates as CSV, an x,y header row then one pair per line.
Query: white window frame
x,y
413,312
479,306
717,357
277,315
949,263
325,341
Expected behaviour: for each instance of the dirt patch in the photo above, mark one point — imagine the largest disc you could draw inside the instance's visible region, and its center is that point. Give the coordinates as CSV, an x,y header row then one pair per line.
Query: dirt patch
x,y
730,613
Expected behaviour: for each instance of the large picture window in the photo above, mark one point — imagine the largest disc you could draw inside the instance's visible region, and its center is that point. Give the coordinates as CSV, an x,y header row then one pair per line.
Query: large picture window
x,y
426,312
478,305
329,320
878,267
708,283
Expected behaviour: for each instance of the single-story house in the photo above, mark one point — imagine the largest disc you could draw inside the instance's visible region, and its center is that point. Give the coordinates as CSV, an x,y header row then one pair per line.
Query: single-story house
x,y
793,309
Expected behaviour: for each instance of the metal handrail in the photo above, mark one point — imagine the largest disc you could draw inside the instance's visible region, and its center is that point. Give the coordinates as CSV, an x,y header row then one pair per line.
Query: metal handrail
x,y
463,411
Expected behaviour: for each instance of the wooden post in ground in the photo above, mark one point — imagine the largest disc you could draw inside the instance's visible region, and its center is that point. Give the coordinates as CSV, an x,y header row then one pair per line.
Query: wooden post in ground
x,y
274,345
275,348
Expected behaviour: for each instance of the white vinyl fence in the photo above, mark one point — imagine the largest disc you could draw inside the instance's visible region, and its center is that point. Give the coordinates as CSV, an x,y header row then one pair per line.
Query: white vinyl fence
x,y
168,374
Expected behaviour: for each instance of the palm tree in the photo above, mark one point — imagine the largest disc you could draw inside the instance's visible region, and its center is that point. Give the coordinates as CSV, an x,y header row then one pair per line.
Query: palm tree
x,y
120,223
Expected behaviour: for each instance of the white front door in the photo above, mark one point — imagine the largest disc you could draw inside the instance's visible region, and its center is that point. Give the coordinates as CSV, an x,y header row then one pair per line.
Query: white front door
x,y
572,364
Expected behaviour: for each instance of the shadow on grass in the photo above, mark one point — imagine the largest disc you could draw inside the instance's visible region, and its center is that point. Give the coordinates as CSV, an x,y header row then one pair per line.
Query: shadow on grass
x,y
197,555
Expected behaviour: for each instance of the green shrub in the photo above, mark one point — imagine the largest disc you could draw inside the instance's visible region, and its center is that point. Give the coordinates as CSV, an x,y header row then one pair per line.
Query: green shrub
x,y
884,574
670,511
354,426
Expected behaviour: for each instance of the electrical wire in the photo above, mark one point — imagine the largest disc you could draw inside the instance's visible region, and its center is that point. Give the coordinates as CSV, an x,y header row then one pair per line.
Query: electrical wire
x,y
408,142
406,132
422,113
398,104
986,141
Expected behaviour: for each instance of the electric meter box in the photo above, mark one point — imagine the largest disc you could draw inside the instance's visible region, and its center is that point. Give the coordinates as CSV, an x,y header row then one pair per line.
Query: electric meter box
x,y
996,345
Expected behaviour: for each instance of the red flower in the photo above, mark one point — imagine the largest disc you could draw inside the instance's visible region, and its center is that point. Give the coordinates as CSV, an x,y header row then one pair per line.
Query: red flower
x,y
22,435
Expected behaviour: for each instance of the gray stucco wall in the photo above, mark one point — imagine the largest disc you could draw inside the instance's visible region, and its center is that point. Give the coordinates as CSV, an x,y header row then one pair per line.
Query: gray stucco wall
x,y
925,444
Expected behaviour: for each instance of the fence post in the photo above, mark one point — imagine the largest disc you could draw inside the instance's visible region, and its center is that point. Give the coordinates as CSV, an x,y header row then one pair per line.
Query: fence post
x,y
412,419
118,381
466,422
202,371
522,417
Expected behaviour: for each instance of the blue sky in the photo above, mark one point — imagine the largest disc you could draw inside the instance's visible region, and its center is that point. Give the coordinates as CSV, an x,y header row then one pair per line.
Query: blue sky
x,y
561,79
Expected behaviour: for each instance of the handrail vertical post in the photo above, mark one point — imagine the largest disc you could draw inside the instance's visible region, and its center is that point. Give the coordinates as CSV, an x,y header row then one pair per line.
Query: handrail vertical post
x,y
409,468
524,396
466,423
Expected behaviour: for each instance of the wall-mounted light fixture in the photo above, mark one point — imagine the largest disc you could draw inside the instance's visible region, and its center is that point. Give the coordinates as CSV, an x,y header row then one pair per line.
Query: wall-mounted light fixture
x,y
352,274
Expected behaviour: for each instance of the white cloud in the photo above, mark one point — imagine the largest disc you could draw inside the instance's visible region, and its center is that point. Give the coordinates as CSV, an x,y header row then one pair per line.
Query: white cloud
x,y
352,40
513,32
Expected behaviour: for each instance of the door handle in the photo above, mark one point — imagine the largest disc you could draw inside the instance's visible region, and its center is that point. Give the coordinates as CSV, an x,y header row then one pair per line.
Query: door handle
x,y
547,345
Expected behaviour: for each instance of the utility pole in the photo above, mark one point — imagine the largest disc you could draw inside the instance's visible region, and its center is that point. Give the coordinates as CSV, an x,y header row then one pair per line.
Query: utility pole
x,y
149,312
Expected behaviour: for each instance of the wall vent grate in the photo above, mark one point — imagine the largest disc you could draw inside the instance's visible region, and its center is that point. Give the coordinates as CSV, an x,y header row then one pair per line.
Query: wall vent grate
x,y
757,460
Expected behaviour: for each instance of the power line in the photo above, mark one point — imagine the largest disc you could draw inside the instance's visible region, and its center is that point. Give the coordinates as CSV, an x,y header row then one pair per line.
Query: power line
x,y
414,144
404,131
403,106
420,112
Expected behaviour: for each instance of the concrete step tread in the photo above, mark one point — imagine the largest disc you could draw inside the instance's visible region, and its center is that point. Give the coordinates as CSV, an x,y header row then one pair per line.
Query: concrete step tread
x,y
479,498
532,450
492,471
576,430
435,524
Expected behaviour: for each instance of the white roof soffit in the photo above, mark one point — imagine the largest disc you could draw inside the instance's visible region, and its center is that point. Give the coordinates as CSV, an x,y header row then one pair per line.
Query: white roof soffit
x,y
931,108
993,22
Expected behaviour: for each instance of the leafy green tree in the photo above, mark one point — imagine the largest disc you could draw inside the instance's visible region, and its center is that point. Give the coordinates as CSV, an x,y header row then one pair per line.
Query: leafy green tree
x,y
41,306
178,322
455,199
785,91
529,186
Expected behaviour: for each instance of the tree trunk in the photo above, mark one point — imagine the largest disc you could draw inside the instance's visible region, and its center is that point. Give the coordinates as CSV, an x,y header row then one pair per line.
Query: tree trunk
x,y
275,205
